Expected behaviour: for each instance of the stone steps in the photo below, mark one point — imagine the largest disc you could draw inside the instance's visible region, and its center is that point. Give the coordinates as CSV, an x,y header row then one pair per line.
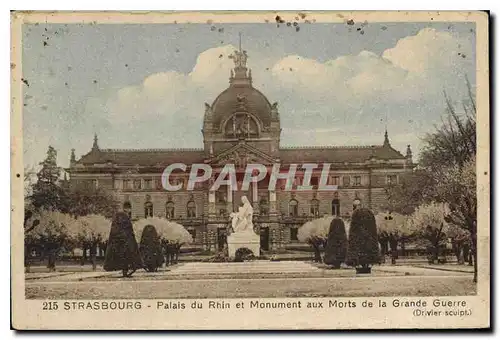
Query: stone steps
x,y
255,267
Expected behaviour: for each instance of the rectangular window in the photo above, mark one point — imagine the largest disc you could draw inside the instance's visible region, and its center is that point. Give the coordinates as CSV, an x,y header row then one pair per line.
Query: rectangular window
x,y
148,184
127,184
137,184
333,180
221,195
281,184
118,184
293,208
158,184
314,182
346,181
294,234
336,207
392,179
191,210
177,181
95,183
357,180
148,210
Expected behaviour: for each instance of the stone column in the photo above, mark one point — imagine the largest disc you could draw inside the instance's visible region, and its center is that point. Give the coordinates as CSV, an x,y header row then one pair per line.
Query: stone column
x,y
273,211
211,205
255,191
255,197
273,238
229,204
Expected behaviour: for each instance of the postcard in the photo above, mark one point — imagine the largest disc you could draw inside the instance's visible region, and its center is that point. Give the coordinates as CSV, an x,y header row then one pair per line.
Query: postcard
x,y
250,170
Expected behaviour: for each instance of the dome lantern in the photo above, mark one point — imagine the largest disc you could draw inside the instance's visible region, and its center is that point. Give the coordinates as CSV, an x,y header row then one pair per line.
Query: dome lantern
x,y
241,97
240,75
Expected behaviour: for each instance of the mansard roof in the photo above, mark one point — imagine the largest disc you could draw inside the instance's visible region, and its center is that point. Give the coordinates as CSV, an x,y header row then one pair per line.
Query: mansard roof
x,y
142,157
338,154
153,157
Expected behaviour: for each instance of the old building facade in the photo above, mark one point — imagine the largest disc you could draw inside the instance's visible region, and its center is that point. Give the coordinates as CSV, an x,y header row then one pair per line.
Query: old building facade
x,y
242,127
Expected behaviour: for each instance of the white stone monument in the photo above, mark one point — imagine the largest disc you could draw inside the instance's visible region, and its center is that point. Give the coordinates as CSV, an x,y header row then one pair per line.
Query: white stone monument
x,y
243,235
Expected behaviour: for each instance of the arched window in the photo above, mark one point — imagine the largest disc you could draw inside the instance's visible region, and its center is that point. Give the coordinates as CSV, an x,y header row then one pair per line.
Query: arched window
x,y
335,207
241,124
148,209
169,210
191,209
314,207
128,206
356,204
293,208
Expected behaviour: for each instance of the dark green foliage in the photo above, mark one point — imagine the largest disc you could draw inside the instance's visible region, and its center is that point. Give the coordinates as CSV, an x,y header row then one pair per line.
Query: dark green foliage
x,y
336,245
243,254
78,199
150,248
413,189
29,223
363,242
46,192
84,200
122,251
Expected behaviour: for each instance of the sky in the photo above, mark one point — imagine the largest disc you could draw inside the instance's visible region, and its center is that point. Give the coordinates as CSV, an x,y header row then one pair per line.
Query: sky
x,y
145,85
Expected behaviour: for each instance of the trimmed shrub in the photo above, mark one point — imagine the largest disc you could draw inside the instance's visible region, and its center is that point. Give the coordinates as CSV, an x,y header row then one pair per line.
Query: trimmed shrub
x,y
243,254
315,233
336,245
362,250
150,248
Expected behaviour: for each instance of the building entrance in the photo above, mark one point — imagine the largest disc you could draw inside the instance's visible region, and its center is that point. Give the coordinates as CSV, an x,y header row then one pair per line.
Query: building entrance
x,y
221,238
264,238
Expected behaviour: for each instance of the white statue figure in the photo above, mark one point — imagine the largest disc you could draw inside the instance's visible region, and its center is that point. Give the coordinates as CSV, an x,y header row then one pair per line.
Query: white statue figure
x,y
242,220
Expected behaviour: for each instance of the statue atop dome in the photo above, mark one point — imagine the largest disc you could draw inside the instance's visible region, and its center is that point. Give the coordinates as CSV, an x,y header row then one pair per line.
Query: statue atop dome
x,y
208,110
274,110
240,75
239,58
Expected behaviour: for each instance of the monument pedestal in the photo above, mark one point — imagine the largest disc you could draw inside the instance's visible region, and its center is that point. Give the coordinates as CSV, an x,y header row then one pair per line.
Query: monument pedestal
x,y
244,239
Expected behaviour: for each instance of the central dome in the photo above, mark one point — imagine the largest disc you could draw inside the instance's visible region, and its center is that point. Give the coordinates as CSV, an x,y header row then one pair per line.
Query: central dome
x,y
240,96
237,96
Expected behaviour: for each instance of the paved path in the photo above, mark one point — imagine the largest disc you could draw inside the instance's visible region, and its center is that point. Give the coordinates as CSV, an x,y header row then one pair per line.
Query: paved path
x,y
462,268
234,288
246,270
253,267
251,279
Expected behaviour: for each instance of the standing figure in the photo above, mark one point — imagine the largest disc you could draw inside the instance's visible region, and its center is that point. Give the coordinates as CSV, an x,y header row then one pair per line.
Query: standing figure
x,y
122,252
166,249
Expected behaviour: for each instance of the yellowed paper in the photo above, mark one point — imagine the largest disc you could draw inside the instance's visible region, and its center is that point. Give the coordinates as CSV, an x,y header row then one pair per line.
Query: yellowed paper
x,y
240,170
